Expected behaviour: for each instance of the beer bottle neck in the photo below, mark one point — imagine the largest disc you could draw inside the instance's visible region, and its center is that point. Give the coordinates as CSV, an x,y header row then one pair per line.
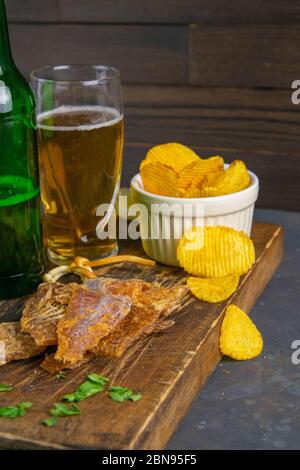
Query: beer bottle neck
x,y
6,60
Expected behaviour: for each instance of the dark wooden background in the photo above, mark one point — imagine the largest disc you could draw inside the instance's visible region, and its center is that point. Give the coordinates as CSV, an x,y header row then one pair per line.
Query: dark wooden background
x,y
212,74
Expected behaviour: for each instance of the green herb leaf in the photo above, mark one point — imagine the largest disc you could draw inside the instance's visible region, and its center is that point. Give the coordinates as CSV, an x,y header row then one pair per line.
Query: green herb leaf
x,y
118,388
5,388
60,409
99,379
120,394
24,406
87,389
9,412
136,397
95,384
61,375
15,411
70,397
116,397
50,421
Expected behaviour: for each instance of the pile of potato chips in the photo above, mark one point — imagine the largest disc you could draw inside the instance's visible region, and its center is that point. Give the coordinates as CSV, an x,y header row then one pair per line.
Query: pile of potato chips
x,y
177,171
218,256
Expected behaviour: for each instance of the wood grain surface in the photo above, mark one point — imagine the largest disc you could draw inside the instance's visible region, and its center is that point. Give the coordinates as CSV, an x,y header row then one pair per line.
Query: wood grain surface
x,y
140,52
168,11
33,10
168,368
216,56
244,56
256,120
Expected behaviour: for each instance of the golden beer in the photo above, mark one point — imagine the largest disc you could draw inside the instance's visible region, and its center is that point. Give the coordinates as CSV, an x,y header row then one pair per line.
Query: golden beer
x,y
80,152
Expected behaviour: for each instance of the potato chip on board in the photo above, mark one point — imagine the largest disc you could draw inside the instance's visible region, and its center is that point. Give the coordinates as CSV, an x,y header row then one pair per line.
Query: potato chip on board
x,y
215,251
197,170
173,155
235,178
159,179
215,289
239,338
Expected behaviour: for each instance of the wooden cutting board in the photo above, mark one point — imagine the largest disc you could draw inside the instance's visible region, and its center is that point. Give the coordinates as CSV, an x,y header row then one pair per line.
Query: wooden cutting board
x,y
168,368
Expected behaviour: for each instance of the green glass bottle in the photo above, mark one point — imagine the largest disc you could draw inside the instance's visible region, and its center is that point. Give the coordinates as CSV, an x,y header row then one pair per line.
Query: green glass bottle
x,y
21,252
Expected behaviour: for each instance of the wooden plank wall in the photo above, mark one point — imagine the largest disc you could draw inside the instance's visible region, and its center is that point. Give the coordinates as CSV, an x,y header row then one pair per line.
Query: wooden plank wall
x,y
213,74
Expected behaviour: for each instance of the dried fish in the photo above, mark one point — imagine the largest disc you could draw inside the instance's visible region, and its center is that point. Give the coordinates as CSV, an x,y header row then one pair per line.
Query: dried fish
x,y
151,303
16,345
43,311
90,317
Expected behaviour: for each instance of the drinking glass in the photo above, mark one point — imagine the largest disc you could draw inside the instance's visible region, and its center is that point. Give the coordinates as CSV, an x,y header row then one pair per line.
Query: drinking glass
x,y
80,137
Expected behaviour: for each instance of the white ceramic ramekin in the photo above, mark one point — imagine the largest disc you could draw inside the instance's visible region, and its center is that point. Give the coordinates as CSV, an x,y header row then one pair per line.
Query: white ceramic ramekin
x,y
233,210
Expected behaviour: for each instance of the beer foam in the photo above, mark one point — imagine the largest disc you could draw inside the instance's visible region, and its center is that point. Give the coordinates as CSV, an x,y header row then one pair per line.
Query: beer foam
x,y
79,109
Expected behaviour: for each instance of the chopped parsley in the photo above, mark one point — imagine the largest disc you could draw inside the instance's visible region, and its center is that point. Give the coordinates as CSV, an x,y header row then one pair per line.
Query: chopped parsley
x,y
120,394
15,411
94,384
60,410
5,388
50,421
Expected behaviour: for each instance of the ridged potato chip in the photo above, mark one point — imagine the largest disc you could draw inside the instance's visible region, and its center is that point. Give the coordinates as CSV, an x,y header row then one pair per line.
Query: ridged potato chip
x,y
173,155
239,338
196,171
235,178
215,251
212,178
193,191
159,179
215,289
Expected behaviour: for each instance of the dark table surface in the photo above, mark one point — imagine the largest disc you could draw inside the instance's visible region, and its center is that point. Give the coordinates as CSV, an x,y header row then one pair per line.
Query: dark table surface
x,y
256,404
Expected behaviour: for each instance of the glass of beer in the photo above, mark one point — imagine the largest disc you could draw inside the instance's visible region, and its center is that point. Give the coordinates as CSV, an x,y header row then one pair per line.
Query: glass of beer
x,y
80,135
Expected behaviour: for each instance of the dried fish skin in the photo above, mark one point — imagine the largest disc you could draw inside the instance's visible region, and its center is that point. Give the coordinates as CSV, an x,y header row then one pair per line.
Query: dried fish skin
x,y
134,288
15,345
90,316
151,304
43,311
